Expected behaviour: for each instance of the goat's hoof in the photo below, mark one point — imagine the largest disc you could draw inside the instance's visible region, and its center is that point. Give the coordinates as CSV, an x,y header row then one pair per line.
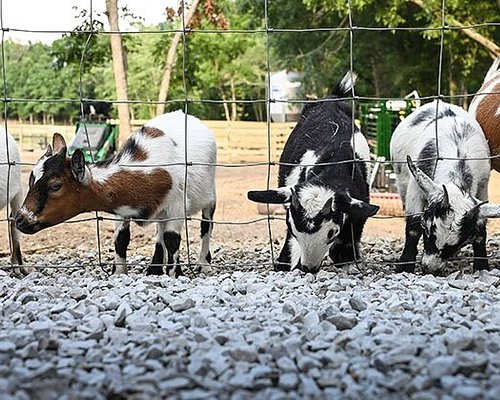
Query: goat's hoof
x,y
21,272
204,268
405,267
154,270
278,266
481,265
178,271
118,270
175,271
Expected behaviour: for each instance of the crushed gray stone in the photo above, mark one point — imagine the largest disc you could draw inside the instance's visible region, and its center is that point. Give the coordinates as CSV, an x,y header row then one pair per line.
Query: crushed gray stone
x,y
244,331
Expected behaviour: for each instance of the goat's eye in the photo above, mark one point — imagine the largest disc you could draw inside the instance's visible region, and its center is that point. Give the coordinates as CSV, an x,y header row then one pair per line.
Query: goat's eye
x,y
55,187
332,233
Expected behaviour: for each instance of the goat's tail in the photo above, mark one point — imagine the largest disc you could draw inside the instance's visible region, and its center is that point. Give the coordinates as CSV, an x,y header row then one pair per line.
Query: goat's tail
x,y
494,69
345,86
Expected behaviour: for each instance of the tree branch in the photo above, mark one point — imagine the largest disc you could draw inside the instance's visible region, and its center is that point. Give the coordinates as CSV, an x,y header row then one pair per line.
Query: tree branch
x,y
470,32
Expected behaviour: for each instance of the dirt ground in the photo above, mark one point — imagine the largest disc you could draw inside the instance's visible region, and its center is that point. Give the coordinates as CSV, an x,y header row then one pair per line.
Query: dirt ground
x,y
237,219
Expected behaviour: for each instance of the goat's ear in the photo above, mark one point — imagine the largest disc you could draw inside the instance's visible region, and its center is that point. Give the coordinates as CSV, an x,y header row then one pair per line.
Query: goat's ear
x,y
48,152
357,209
273,196
489,210
58,143
424,182
78,165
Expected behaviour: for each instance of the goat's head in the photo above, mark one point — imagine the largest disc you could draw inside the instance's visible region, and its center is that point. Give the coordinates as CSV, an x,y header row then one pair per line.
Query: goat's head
x,y
450,219
55,189
315,217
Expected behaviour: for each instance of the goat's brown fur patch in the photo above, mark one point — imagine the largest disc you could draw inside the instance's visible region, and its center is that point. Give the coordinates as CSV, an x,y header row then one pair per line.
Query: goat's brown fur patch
x,y
139,154
152,132
143,191
488,118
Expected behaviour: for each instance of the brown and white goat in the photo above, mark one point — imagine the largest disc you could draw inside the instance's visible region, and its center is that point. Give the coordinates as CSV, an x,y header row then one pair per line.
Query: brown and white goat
x,y
485,107
147,179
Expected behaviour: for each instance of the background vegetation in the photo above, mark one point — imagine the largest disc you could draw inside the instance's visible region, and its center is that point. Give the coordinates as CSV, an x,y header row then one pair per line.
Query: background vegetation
x,y
45,82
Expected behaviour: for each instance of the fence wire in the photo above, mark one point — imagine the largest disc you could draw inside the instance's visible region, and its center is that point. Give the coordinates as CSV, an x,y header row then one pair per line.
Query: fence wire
x,y
186,101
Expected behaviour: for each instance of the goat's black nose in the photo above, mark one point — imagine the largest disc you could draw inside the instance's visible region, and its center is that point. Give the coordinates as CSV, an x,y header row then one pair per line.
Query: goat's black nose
x,y
308,268
21,223
18,218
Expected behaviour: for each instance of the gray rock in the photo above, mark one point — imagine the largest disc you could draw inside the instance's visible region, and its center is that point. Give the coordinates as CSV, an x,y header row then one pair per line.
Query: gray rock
x,y
467,392
343,322
154,352
180,305
197,394
311,319
7,347
121,314
77,294
286,364
288,380
174,384
305,363
443,365
357,304
243,354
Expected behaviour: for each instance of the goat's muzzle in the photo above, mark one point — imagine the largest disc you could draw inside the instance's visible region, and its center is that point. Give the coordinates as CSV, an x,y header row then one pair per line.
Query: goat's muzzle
x,y
24,224
308,268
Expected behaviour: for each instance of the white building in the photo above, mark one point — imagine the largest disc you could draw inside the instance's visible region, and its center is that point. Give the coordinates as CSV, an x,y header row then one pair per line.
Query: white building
x,y
285,85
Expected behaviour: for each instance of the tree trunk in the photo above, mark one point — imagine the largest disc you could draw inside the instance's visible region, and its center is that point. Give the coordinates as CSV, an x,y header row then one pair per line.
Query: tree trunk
x,y
234,111
226,107
165,82
375,75
470,32
119,71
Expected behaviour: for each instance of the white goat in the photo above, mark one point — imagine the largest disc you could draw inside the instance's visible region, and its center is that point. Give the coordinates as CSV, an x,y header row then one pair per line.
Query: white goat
x,y
11,191
147,179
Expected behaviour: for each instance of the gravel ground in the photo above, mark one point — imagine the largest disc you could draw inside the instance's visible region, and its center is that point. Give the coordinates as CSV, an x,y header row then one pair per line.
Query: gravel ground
x,y
248,332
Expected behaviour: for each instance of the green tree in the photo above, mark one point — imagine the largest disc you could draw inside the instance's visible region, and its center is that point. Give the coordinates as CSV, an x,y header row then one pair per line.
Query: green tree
x,y
222,66
30,73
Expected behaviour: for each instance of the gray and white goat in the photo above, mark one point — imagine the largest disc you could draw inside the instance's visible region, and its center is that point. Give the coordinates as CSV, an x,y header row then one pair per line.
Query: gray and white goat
x,y
445,190
11,191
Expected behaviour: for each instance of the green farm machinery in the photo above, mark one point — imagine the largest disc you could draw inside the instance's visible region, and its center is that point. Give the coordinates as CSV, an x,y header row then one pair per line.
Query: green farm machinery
x,y
378,120
94,135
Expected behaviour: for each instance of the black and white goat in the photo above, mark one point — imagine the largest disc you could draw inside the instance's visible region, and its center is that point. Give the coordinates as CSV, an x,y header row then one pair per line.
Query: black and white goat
x,y
147,179
444,192
11,191
327,205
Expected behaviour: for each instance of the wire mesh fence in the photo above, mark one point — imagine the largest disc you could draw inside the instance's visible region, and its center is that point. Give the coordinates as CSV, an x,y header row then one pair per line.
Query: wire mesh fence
x,y
352,33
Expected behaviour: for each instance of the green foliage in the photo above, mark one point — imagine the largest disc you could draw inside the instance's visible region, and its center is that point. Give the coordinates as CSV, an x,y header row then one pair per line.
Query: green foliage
x,y
390,63
30,74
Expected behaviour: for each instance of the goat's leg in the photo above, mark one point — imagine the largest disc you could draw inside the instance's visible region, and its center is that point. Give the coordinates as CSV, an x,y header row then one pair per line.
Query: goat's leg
x,y
206,227
479,248
346,248
172,240
122,240
413,232
284,260
159,259
16,257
